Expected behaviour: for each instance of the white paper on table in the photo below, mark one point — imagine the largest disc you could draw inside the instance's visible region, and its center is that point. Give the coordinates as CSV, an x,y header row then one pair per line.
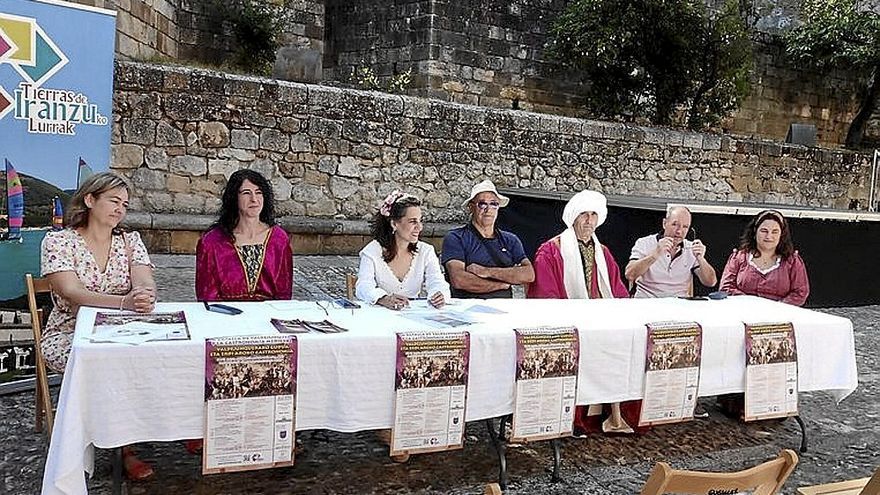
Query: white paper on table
x,y
438,318
483,309
293,305
134,333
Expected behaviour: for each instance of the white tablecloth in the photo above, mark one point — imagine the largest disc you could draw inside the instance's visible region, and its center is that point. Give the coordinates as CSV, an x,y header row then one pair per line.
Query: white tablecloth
x,y
116,394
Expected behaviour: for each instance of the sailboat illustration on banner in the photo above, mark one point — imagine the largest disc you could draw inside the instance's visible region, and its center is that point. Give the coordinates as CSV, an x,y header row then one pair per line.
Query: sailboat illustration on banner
x,y
57,214
14,205
83,172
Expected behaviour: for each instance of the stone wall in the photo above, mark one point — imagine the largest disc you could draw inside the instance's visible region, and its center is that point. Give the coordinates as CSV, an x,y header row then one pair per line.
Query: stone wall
x,y
483,52
145,29
333,153
387,37
491,53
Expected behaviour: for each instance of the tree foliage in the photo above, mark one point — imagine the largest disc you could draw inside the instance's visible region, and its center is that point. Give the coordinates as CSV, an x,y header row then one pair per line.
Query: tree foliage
x,y
257,26
840,34
671,61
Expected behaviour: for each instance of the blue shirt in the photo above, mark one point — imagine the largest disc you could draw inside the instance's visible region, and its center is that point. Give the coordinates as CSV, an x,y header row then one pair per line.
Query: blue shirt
x,y
465,244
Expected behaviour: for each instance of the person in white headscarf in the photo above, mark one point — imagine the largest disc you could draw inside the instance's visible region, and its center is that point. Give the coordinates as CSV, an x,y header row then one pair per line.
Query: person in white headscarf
x,y
568,266
575,265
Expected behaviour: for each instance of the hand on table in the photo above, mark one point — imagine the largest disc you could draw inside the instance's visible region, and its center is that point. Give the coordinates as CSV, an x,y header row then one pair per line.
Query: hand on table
x,y
393,301
140,299
437,300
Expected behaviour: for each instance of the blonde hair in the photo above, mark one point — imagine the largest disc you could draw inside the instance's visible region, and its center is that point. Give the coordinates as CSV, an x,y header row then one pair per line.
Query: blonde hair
x,y
77,214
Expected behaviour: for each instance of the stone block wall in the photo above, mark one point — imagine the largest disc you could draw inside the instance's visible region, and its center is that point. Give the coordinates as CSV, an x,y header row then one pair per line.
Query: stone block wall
x,y
334,153
782,95
145,29
387,36
483,52
202,34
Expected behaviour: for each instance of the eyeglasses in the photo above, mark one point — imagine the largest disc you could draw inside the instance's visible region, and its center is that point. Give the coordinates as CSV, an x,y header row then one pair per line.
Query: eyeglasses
x,y
483,205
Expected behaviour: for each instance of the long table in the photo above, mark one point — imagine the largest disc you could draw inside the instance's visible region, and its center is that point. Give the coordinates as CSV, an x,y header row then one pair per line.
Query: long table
x,y
116,394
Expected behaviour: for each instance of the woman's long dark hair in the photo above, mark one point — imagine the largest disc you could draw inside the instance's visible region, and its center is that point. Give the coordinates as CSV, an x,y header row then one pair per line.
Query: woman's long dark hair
x,y
229,214
749,240
383,231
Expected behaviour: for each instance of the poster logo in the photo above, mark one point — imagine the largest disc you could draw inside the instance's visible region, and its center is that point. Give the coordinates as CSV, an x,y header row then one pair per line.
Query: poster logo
x,y
26,47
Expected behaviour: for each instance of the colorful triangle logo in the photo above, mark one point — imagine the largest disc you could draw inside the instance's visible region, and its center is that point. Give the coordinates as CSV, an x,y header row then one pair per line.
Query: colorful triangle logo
x,y
5,103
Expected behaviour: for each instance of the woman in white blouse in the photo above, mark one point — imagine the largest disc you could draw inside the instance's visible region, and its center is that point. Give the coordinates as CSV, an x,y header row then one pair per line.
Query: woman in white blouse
x,y
395,265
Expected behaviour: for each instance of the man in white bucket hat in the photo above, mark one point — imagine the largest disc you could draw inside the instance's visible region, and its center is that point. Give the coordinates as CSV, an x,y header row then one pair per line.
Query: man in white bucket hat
x,y
481,260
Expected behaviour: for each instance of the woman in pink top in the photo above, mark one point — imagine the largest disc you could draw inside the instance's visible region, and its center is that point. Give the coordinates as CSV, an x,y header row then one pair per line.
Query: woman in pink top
x,y
766,263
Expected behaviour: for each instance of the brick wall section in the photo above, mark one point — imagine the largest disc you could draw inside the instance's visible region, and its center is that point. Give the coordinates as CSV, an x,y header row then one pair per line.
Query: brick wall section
x,y
306,29
491,53
334,153
145,29
484,52
387,36
202,35
782,95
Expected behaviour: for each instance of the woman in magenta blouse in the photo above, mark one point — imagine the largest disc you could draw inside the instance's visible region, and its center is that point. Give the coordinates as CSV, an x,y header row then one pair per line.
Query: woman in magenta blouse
x,y
245,256
766,263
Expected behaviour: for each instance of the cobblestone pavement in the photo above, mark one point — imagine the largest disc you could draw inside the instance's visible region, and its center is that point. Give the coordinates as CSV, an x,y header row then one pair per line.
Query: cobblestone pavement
x,y
844,439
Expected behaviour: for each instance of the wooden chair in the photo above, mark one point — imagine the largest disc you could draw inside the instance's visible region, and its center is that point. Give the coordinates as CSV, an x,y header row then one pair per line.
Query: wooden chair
x,y
350,281
44,408
493,489
764,479
862,486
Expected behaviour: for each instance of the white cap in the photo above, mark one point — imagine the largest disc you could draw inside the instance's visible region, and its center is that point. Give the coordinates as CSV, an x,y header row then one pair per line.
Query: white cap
x,y
585,201
486,186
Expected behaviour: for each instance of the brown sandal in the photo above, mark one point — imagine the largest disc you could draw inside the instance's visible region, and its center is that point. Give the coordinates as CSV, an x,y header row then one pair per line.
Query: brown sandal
x,y
135,469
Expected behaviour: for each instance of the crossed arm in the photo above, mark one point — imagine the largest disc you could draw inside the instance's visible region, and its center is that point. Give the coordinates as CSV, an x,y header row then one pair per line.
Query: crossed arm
x,y
481,279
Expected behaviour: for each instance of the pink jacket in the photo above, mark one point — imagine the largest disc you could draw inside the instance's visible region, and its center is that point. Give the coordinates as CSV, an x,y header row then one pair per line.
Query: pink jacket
x,y
787,283
220,272
550,279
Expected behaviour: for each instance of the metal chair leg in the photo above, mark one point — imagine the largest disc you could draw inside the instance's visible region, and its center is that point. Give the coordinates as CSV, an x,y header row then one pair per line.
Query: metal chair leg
x,y
557,458
803,426
499,442
116,469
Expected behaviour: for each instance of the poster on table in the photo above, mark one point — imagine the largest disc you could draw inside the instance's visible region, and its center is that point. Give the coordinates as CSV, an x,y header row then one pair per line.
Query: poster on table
x,y
546,383
430,391
56,92
137,328
250,403
771,371
672,372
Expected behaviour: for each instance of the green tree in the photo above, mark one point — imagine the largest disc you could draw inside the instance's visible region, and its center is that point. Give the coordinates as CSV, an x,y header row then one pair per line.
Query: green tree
x,y
257,25
838,34
672,61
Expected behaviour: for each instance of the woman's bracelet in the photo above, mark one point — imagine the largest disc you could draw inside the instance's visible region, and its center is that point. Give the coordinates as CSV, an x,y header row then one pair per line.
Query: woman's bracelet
x,y
122,303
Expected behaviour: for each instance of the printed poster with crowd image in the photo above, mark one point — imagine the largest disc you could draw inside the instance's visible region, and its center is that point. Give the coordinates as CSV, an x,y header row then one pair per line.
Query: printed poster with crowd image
x,y
672,372
431,390
250,403
546,383
771,371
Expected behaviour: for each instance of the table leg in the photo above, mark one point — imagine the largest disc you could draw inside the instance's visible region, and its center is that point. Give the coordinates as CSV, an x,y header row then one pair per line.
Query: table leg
x,y
803,432
499,443
557,458
116,470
